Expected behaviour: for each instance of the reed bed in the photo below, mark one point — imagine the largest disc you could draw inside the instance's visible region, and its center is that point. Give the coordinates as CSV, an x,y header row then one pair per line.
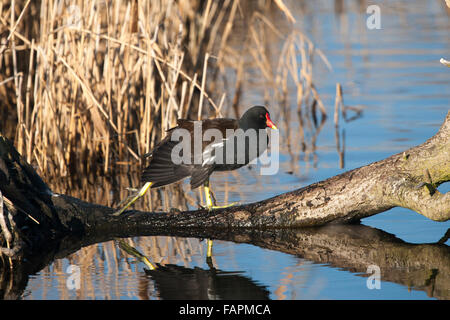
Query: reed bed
x,y
93,85
88,87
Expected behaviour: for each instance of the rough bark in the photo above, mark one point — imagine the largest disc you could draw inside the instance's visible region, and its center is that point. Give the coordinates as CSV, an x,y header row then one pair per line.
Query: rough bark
x,y
40,225
349,247
408,179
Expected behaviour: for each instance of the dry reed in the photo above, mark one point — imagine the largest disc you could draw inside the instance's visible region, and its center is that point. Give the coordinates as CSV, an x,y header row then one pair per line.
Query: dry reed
x,y
98,83
93,85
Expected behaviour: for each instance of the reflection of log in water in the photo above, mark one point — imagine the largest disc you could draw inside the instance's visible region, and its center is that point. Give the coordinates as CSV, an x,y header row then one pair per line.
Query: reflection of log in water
x,y
354,247
350,247
39,219
180,283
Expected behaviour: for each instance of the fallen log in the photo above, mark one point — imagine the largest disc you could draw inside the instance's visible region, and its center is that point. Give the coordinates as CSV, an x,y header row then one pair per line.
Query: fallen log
x,y
409,179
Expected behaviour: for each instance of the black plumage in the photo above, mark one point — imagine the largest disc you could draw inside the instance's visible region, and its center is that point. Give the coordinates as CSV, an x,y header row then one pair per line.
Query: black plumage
x,y
234,149
161,170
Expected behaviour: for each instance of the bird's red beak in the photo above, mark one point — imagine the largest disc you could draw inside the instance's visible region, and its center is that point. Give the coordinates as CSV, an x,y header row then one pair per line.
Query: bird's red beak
x,y
269,122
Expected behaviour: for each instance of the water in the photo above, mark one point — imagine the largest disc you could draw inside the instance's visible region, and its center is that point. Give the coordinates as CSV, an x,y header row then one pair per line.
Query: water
x,y
395,75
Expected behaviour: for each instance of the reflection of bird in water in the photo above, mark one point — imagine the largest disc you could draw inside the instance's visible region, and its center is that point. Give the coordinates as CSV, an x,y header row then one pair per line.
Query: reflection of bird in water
x,y
176,283
179,283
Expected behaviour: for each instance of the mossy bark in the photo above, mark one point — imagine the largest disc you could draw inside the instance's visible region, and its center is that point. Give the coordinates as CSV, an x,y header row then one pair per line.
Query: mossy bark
x,y
408,179
44,225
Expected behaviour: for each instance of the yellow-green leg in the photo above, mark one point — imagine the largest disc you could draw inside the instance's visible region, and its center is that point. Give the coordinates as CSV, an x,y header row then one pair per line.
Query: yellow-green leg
x,y
134,197
134,252
208,198
210,205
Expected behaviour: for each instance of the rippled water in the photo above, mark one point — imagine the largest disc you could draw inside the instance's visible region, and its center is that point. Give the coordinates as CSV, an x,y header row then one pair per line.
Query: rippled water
x,y
394,75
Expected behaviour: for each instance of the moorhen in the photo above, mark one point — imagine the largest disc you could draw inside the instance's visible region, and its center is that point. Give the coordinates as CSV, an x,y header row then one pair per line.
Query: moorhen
x,y
162,170
232,151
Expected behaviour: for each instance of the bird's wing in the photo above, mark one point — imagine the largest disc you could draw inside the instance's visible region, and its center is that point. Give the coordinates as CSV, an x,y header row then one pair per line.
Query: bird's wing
x,y
161,170
200,174
212,136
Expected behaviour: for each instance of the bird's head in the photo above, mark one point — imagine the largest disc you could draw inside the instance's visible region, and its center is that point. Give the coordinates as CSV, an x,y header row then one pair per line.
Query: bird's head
x,y
257,117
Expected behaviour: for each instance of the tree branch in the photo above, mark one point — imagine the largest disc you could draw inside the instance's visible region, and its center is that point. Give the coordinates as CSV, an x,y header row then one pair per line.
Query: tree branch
x,y
407,179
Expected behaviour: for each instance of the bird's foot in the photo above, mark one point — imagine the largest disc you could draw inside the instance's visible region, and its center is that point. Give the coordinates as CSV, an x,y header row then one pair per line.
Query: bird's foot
x,y
174,211
223,206
211,207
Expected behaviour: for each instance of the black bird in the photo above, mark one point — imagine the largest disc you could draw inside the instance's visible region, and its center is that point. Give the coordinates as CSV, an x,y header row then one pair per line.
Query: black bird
x,y
234,149
162,170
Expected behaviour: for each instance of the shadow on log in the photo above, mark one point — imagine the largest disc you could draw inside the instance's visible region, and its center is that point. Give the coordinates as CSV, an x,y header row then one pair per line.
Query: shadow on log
x,y
38,225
